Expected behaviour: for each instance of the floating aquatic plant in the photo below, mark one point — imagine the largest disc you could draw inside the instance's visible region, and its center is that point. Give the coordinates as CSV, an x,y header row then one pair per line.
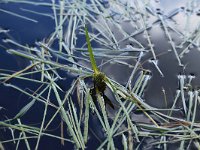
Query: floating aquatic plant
x,y
63,97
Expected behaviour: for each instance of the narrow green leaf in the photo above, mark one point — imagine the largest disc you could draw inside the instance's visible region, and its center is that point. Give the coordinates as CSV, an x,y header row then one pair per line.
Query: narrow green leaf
x,y
86,120
25,109
92,59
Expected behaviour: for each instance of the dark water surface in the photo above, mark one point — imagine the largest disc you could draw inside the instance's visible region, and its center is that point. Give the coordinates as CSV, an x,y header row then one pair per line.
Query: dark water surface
x,y
28,32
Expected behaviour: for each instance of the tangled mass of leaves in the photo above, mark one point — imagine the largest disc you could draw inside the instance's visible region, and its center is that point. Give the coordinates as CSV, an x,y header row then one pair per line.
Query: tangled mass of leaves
x,y
86,81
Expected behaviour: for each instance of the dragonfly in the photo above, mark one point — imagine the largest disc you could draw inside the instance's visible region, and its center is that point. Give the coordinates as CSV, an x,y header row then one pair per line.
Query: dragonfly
x,y
99,88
